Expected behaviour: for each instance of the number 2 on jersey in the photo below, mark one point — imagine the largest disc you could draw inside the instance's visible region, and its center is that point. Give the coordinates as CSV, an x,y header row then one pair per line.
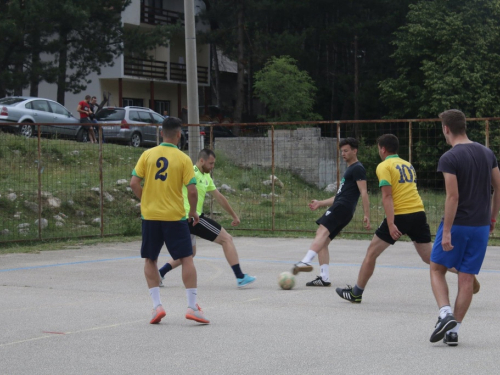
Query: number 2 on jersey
x,y
161,163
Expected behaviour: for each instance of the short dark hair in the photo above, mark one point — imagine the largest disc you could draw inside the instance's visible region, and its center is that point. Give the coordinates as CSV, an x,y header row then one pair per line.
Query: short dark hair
x,y
390,142
205,154
455,120
87,97
94,97
171,126
353,142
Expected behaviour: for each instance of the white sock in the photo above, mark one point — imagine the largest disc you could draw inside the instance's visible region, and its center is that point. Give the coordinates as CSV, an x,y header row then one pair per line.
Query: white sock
x,y
325,274
456,328
309,256
191,297
155,295
443,311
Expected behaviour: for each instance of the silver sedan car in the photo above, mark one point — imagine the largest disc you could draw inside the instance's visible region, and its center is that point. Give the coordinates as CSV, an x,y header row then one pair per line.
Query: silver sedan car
x,y
20,112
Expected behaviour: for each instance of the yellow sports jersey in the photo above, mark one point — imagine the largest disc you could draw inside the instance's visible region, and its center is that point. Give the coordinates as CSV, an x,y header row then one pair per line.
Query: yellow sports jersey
x,y
204,184
165,170
401,175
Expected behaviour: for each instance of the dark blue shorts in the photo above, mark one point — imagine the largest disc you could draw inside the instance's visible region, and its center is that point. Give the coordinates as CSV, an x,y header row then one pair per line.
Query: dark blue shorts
x,y
469,248
174,234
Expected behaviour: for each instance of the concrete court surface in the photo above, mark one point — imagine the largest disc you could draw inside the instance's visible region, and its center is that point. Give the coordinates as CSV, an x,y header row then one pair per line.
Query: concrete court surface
x,y
86,311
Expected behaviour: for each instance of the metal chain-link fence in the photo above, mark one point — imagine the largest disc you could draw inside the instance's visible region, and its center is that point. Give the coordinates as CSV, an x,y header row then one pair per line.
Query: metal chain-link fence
x,y
55,188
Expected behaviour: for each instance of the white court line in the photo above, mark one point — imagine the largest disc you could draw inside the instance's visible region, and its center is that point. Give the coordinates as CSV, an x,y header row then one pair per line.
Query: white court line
x,y
70,333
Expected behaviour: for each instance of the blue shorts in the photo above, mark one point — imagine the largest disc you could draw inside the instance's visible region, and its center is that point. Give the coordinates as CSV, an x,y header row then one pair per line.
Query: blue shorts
x,y
174,234
469,248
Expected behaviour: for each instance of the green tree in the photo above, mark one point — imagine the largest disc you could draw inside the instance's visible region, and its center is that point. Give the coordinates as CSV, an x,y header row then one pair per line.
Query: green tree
x,y
447,56
287,92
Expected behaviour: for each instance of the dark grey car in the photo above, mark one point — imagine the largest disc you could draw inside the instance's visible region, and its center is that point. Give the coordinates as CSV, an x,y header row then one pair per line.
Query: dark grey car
x,y
126,120
20,112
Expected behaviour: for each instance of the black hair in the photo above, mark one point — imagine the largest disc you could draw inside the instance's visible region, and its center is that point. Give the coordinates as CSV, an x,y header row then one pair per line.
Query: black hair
x,y
390,142
353,142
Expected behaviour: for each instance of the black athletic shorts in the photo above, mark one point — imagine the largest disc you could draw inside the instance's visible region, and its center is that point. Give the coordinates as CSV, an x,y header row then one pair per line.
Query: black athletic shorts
x,y
206,228
414,225
335,219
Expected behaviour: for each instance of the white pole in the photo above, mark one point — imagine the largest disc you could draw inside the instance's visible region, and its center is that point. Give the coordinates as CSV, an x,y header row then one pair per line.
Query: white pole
x,y
192,81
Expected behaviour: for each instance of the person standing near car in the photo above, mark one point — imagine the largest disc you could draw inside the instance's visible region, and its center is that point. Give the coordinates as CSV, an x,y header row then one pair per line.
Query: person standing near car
x,y
94,107
85,112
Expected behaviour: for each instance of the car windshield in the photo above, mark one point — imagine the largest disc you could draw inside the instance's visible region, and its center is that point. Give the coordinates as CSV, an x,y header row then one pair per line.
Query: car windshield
x,y
110,114
11,101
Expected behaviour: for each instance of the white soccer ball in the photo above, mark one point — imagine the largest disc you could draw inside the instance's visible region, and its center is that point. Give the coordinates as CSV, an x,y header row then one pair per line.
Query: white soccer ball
x,y
286,280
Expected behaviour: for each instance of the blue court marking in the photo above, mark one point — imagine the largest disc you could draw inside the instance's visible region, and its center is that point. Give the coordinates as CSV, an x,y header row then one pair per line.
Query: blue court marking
x,y
218,259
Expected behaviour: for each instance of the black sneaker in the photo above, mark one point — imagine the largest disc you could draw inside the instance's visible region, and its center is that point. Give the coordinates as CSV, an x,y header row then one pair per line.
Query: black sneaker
x,y
451,338
301,267
346,294
318,282
442,326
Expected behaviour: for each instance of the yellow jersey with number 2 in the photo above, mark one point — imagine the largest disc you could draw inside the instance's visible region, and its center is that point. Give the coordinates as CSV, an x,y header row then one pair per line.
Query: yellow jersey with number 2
x,y
401,176
165,170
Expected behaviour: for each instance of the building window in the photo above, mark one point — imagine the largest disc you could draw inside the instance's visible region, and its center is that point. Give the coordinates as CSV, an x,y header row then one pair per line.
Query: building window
x,y
161,106
133,102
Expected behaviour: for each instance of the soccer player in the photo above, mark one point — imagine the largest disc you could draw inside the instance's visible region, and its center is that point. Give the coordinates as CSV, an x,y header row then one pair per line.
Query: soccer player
x,y
165,170
469,170
207,228
341,212
404,213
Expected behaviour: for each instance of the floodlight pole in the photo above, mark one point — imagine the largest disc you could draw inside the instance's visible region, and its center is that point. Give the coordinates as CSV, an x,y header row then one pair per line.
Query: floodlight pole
x,y
192,81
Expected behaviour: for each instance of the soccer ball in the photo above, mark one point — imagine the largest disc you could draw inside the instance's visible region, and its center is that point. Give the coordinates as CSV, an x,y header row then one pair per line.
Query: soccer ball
x,y
286,280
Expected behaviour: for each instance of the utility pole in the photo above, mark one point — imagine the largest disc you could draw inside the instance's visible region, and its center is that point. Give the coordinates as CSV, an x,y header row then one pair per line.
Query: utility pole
x,y
356,88
192,81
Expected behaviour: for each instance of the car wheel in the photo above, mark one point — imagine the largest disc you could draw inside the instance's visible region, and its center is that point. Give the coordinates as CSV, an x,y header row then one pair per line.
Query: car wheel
x,y
135,140
82,135
26,130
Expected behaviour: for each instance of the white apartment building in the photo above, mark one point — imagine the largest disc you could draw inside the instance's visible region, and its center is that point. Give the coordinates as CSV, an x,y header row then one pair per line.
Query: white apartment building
x,y
159,82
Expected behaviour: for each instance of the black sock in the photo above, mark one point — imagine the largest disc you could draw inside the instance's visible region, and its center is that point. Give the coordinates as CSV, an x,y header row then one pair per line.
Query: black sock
x,y
167,267
237,271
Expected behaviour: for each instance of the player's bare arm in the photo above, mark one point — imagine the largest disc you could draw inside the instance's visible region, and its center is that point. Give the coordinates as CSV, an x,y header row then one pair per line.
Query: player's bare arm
x,y
388,203
315,204
221,199
193,201
135,185
363,190
450,209
495,204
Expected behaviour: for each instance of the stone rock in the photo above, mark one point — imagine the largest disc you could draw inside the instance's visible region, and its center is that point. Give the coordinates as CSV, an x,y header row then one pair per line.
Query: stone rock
x,y
108,197
24,231
59,224
75,153
122,181
71,203
44,223
331,188
45,194
54,202
128,188
5,232
17,216
23,225
12,197
263,195
96,220
247,189
58,218
80,213
227,188
96,189
31,206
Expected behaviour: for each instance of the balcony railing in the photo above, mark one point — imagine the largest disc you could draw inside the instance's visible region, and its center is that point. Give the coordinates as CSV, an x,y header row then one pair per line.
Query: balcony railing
x,y
158,16
145,68
159,69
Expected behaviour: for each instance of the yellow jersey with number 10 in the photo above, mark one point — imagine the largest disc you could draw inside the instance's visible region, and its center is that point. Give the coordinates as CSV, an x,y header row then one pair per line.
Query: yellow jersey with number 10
x,y
165,170
401,176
